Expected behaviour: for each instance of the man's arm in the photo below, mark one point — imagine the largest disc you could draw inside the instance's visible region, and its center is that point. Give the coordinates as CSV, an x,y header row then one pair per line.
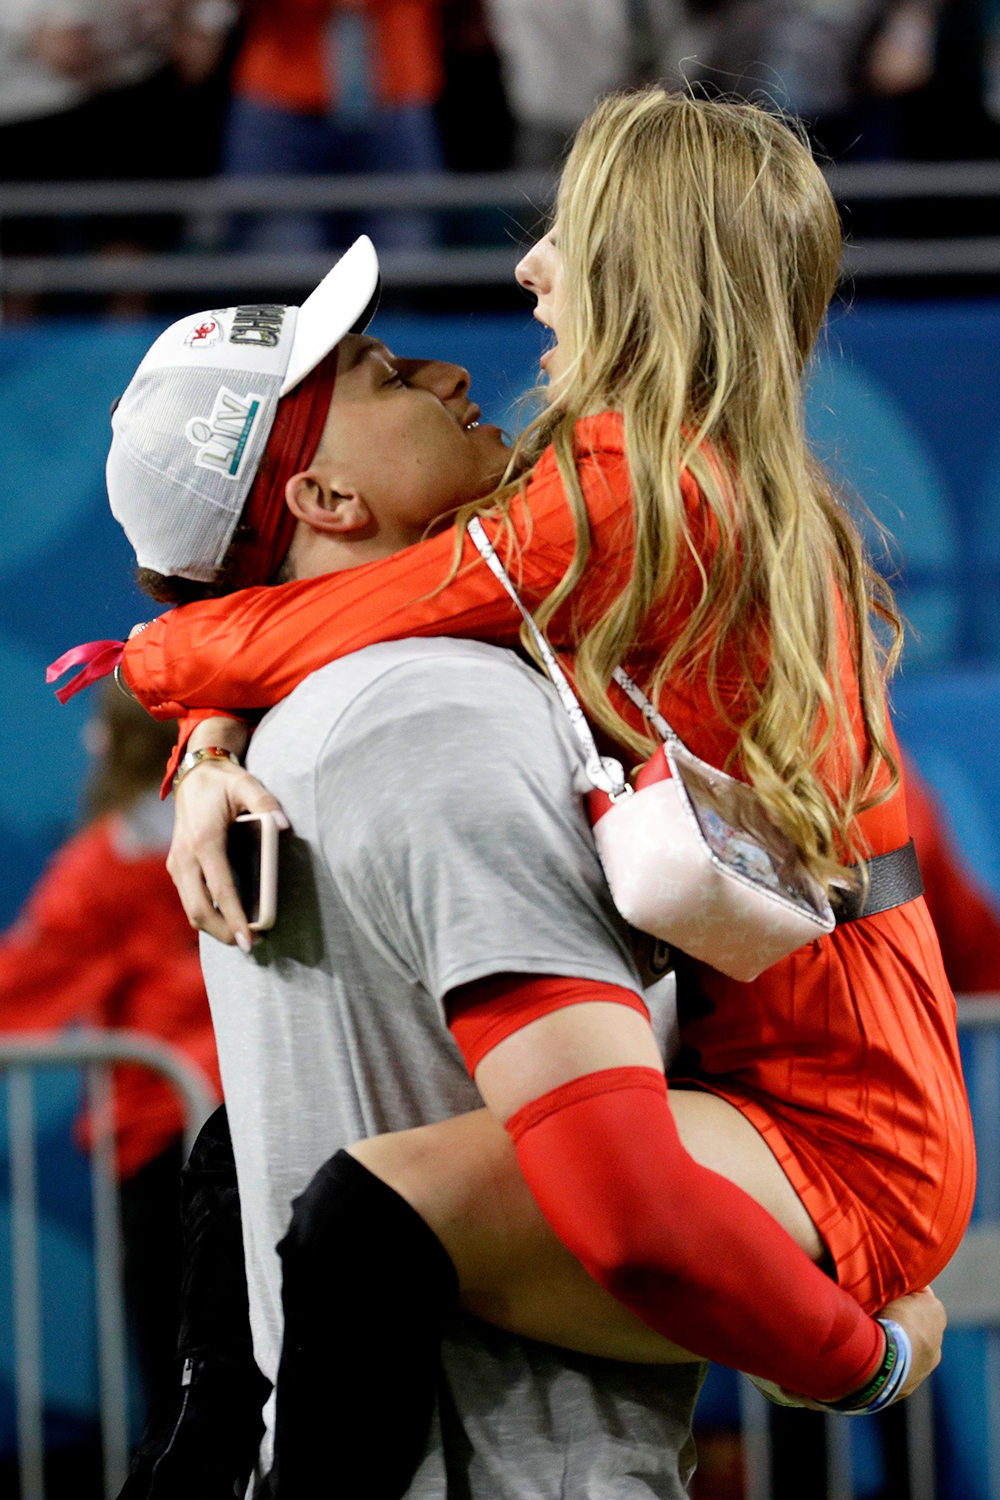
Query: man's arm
x,y
463,1178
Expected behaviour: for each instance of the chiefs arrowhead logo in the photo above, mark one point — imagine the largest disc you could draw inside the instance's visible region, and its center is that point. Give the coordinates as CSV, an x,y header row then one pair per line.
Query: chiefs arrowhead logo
x,y
204,333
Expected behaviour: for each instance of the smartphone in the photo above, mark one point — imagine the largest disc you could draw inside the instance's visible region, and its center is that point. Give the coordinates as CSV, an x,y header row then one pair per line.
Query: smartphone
x,y
253,855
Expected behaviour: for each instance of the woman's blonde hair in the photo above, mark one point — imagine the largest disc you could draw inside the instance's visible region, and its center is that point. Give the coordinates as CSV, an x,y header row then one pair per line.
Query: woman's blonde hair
x,y
700,249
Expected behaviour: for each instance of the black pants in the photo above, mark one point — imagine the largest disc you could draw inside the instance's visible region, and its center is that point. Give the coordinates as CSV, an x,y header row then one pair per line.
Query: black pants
x,y
151,1235
204,1427
366,1291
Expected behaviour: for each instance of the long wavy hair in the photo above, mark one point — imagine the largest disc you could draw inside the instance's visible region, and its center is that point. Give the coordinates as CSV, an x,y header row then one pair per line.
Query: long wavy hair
x,y
700,250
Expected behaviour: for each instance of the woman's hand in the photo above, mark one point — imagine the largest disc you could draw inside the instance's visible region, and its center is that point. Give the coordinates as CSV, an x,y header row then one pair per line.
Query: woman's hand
x,y
924,1319
207,800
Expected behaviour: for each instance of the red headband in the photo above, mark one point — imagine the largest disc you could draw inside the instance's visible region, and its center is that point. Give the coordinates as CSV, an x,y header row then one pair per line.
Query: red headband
x,y
291,448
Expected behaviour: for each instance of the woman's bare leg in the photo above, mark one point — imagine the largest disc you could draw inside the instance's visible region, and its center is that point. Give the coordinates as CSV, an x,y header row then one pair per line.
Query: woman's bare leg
x,y
462,1177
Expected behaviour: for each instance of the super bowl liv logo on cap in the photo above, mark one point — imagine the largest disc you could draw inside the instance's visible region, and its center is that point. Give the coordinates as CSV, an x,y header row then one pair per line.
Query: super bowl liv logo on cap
x,y
221,439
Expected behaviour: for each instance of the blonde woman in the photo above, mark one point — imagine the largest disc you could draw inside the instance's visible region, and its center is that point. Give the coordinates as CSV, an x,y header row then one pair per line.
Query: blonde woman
x,y
666,514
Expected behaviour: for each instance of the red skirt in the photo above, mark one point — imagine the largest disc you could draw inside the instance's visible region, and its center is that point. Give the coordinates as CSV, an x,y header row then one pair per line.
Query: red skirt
x,y
845,1058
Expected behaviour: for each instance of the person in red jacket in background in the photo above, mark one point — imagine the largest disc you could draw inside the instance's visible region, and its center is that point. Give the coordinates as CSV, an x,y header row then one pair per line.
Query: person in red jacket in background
x,y
103,941
968,927
335,86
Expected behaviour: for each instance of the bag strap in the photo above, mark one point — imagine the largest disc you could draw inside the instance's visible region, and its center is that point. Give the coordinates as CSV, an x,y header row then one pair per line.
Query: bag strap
x,y
651,714
605,773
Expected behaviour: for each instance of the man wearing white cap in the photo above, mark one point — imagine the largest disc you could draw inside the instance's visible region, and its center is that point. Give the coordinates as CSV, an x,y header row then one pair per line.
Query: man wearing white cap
x,y
226,445
214,384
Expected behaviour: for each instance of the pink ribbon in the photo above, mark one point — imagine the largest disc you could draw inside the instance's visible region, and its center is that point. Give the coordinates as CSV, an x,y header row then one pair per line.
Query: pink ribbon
x,y
97,658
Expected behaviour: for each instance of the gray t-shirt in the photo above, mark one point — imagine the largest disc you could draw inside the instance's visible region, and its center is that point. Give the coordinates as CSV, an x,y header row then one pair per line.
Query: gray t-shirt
x,y
439,837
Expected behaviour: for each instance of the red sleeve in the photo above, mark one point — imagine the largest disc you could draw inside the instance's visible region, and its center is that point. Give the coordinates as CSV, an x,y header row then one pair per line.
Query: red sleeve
x,y
481,1014
683,1247
65,956
249,650
688,1251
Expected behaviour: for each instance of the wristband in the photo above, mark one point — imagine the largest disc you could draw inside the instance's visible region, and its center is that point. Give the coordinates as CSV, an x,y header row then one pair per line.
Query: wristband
x,y
888,1380
195,757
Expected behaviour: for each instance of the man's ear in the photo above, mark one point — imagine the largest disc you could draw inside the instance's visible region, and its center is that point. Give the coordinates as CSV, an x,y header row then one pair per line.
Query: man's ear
x,y
312,499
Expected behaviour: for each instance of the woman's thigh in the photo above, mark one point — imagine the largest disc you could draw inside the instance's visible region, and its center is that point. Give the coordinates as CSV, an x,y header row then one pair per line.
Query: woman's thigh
x,y
719,1137
463,1178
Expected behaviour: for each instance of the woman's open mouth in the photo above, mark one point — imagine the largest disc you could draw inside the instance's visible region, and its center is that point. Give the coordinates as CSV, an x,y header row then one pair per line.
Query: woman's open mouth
x,y
553,345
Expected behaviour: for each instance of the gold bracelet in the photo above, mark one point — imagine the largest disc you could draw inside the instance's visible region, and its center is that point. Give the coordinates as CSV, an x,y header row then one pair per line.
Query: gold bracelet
x,y
195,757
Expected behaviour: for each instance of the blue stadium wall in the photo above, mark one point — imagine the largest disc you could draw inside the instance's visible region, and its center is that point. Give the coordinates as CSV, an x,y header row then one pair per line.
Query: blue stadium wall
x,y
904,405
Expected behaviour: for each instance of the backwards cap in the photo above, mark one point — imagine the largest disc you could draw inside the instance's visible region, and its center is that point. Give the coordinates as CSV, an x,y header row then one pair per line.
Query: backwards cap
x,y
191,429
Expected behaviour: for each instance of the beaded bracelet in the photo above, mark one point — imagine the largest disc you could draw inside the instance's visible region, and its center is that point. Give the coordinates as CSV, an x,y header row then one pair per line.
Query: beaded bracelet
x,y
888,1380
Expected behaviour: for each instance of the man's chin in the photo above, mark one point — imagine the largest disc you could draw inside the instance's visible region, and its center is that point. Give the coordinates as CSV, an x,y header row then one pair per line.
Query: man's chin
x,y
496,456
489,433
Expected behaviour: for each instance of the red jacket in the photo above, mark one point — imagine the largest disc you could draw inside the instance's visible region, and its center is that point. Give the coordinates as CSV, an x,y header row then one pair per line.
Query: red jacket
x,y
286,59
103,941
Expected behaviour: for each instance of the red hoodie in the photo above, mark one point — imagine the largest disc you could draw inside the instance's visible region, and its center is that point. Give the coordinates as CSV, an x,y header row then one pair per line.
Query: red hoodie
x,y
103,941
286,59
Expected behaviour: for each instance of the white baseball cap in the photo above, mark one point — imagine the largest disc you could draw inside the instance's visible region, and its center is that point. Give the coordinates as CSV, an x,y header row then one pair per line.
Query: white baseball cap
x,y
194,421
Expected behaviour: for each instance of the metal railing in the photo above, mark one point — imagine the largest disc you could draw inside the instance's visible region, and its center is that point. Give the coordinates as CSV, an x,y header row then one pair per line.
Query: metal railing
x,y
98,1053
969,1288
525,196
755,1422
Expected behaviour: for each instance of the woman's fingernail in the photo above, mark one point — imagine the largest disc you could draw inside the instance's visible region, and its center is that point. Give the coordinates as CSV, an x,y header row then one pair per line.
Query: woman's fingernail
x,y
243,942
282,821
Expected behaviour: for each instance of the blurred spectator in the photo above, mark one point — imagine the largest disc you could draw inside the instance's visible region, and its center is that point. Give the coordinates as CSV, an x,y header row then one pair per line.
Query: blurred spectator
x,y
968,926
103,941
107,89
990,20
826,63
473,113
476,125
79,77
559,57
949,118
332,86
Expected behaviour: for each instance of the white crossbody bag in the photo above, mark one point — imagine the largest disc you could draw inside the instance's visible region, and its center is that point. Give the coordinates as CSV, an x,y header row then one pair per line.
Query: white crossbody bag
x,y
691,855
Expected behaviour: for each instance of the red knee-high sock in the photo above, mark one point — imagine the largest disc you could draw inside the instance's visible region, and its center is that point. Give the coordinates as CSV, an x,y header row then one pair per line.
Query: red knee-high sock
x,y
692,1254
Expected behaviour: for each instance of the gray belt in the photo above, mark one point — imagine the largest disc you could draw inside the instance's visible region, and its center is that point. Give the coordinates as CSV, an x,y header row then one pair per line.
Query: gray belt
x,y
893,879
